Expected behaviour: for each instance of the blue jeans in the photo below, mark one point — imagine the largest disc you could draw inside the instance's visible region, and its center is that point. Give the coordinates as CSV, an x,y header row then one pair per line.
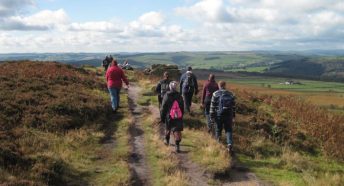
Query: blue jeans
x,y
114,95
224,123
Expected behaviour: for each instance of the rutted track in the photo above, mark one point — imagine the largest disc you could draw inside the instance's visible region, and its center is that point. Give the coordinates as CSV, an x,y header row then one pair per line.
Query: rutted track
x,y
195,173
139,169
236,176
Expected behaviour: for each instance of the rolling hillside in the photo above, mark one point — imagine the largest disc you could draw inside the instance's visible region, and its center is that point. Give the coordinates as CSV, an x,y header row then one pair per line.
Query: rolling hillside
x,y
56,128
317,65
54,121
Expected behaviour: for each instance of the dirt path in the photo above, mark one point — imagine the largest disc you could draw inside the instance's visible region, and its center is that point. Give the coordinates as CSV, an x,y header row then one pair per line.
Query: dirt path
x,y
195,173
138,164
237,176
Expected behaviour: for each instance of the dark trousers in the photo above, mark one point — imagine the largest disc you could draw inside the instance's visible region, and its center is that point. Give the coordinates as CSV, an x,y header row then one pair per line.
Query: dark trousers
x,y
207,112
160,100
187,100
224,122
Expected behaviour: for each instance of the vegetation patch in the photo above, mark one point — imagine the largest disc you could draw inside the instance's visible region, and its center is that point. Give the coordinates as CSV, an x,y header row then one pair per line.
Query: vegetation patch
x,y
54,120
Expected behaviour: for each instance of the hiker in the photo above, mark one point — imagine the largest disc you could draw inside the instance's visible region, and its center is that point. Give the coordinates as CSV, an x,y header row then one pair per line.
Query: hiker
x,y
222,111
114,78
163,87
209,88
172,111
106,62
188,87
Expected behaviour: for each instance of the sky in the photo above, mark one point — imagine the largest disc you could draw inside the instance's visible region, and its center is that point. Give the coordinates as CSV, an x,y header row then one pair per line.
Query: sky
x,y
170,25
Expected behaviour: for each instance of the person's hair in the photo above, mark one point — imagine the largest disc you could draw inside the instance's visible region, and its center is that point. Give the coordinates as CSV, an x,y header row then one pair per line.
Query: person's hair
x,y
114,61
211,77
189,68
222,84
166,74
173,86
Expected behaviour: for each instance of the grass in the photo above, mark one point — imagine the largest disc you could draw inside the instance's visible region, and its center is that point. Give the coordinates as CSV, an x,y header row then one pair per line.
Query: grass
x,y
316,92
59,136
293,168
114,169
164,165
201,147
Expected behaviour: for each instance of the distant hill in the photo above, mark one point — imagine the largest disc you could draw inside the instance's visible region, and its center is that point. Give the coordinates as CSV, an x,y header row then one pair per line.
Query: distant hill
x,y
313,64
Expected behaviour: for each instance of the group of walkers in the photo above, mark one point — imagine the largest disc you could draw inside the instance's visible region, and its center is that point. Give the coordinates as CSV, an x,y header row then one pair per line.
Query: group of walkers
x,y
217,102
108,60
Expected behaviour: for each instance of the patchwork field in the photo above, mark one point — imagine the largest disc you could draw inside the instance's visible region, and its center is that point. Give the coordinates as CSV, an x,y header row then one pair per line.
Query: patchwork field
x,y
328,95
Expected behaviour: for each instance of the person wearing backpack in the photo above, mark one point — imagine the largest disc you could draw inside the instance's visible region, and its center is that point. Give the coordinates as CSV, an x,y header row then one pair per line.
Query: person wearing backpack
x,y
107,62
114,77
163,87
172,111
208,89
222,111
188,87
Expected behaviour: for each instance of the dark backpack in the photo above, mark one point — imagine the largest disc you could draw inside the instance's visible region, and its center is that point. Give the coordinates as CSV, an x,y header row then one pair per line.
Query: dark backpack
x,y
188,84
164,88
226,101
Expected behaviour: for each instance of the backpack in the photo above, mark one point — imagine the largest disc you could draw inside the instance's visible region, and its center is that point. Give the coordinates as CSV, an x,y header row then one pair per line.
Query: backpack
x,y
164,88
175,111
225,104
188,84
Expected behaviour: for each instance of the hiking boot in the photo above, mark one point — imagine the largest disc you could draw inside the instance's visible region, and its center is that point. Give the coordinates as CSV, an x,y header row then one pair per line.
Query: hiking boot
x,y
230,149
114,111
167,142
177,148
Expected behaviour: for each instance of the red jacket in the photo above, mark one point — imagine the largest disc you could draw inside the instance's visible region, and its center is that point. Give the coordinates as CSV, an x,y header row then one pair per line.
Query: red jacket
x,y
114,77
208,89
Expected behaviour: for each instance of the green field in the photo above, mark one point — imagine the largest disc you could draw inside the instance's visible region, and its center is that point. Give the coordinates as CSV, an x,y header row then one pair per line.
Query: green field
x,y
305,86
208,60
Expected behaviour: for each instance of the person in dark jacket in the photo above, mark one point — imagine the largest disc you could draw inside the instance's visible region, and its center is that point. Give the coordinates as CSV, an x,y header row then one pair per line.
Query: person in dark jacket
x,y
107,62
208,89
168,109
163,87
222,111
114,77
188,87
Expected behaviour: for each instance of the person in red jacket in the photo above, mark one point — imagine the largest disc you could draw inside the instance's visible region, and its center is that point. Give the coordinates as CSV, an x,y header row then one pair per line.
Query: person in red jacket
x,y
114,78
209,88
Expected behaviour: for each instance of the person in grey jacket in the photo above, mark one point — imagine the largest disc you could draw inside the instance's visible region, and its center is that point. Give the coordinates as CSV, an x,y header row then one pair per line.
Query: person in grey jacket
x,y
188,87
222,111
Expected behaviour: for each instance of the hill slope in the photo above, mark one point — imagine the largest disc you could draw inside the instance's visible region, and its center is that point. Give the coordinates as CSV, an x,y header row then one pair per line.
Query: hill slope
x,y
53,121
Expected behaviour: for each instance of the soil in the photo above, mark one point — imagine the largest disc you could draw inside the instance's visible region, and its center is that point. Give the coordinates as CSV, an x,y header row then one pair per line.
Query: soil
x,y
237,175
138,165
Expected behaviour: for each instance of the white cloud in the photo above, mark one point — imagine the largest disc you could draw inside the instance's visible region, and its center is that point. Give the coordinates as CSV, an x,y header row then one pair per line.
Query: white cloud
x,y
208,10
152,19
262,24
100,26
43,20
12,7
205,25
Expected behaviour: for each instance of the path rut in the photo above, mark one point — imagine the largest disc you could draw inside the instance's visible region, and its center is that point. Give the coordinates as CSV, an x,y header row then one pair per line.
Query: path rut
x,y
237,176
138,165
194,172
